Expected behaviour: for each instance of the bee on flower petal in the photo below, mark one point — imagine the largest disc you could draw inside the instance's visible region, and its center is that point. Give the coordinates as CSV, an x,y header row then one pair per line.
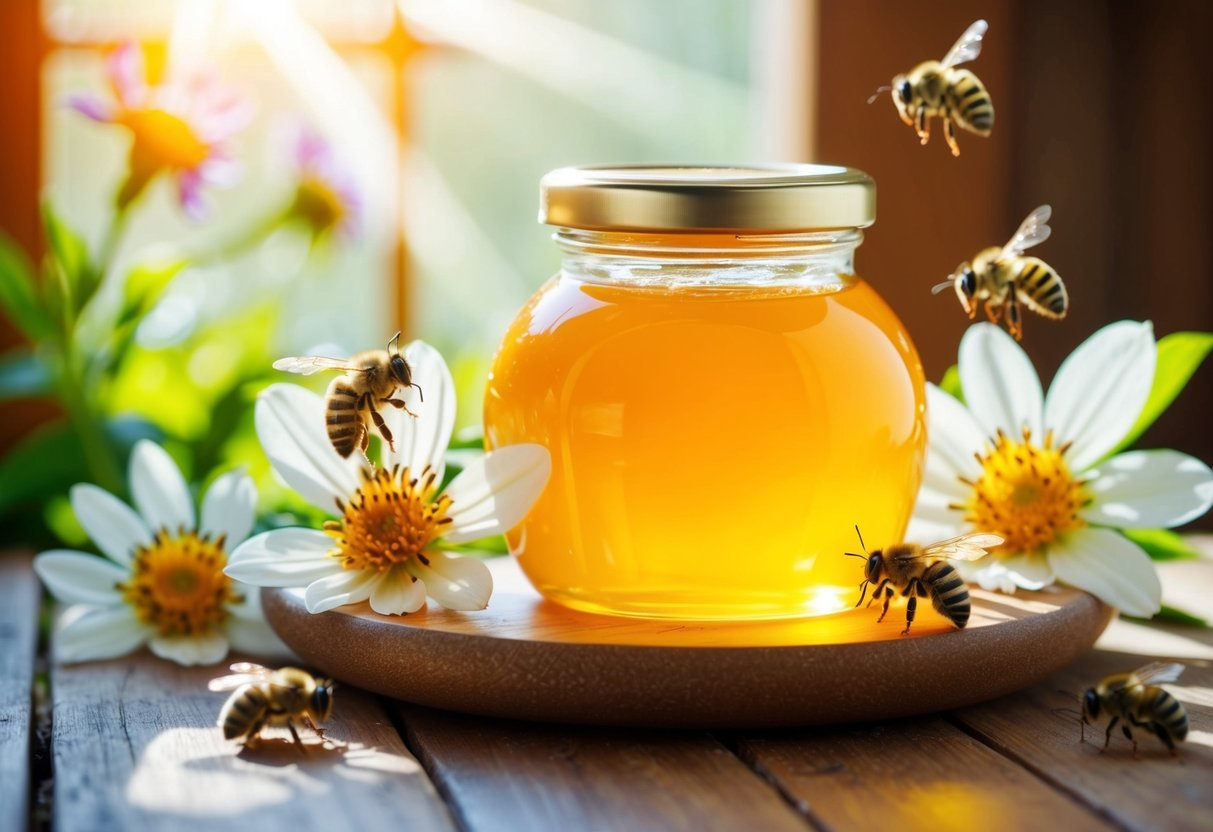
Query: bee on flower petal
x,y
1137,699
938,88
265,697
923,571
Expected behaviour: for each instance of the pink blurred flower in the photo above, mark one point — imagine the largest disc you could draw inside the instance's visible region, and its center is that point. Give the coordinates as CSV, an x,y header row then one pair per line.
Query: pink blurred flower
x,y
326,198
180,127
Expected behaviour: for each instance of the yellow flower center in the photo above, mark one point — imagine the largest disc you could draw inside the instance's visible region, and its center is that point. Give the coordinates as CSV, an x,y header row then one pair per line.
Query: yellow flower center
x,y
1025,493
318,205
389,520
164,139
178,586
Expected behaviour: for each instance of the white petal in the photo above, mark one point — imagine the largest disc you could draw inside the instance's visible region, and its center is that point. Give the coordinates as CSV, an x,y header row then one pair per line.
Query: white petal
x,y
113,526
456,583
398,593
1027,571
227,508
290,426
1100,390
85,633
933,507
283,557
159,490
1149,490
992,577
349,586
188,650
77,578
256,638
493,494
999,382
1109,567
422,441
953,436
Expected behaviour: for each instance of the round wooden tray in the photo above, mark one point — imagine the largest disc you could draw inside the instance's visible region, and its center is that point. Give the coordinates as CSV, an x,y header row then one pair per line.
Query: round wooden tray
x,y
528,658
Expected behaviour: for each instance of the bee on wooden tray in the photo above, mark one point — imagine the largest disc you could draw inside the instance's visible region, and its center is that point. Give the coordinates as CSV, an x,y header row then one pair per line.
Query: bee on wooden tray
x,y
938,88
264,697
923,572
370,380
1004,278
1137,699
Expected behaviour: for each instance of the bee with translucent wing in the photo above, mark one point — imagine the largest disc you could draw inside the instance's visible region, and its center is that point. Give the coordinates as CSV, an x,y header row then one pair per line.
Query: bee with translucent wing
x,y
923,571
938,88
351,404
1004,278
1137,699
272,697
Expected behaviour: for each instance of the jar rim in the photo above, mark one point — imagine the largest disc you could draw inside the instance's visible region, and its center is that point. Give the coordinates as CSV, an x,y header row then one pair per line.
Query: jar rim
x,y
751,198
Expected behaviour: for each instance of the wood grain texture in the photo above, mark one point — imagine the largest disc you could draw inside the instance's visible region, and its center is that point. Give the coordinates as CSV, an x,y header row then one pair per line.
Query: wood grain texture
x,y
524,658
136,748
1151,791
906,775
507,775
20,595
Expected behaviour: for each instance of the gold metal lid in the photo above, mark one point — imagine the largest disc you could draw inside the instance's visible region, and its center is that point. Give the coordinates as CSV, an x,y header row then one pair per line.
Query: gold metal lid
x,y
729,198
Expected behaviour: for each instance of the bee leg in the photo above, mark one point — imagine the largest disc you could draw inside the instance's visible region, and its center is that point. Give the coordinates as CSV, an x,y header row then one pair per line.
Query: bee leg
x,y
295,736
922,126
888,596
1014,322
316,729
383,429
993,311
949,135
399,405
911,608
1107,737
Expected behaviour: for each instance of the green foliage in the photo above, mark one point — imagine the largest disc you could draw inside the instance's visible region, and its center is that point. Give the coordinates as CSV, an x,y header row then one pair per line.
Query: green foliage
x,y
1175,616
18,294
1162,544
950,383
1180,354
75,274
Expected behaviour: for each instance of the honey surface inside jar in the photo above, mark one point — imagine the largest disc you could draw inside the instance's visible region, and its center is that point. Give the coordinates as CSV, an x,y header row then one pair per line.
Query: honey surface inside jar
x,y
713,448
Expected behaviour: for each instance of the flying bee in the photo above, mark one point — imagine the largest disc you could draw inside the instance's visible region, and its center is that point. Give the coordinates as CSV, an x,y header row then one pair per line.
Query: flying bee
x,y
272,697
1137,699
352,402
1004,278
923,571
938,88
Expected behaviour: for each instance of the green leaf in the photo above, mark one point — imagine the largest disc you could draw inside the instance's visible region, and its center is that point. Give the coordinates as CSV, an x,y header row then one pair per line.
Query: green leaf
x,y
47,462
1179,617
1162,544
23,375
469,438
144,285
1180,354
18,294
950,383
70,252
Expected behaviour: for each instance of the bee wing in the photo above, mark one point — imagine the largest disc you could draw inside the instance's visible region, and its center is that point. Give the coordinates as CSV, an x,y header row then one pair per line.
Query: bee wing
x,y
965,547
1033,231
968,47
243,673
1158,672
308,364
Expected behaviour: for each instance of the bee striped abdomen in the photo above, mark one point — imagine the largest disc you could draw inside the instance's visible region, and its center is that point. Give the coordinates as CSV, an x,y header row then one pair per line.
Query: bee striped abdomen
x,y
970,102
948,592
1165,710
244,713
1041,289
341,416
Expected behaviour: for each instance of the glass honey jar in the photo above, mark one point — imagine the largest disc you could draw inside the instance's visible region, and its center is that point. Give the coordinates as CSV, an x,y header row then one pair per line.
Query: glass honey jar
x,y
724,398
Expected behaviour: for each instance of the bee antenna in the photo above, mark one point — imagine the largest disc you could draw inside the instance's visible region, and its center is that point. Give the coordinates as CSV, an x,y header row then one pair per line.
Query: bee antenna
x,y
853,555
420,394
862,545
939,287
1068,711
879,90
394,344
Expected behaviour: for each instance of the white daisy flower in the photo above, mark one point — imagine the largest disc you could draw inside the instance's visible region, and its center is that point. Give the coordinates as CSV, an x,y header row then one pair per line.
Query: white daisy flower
x,y
1035,469
385,545
161,582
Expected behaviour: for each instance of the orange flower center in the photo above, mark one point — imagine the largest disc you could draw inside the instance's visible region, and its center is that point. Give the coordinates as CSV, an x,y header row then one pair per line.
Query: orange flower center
x,y
1025,493
389,521
178,586
318,205
164,139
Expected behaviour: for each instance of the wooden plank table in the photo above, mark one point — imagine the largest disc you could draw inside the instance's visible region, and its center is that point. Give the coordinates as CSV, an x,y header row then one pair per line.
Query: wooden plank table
x,y
134,746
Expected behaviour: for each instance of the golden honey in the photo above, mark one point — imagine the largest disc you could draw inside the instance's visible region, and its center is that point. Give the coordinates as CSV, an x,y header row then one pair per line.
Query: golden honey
x,y
717,429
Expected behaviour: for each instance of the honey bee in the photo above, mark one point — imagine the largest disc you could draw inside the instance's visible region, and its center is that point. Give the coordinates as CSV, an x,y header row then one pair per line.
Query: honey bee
x,y
923,571
272,697
1004,278
353,399
937,88
1137,699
